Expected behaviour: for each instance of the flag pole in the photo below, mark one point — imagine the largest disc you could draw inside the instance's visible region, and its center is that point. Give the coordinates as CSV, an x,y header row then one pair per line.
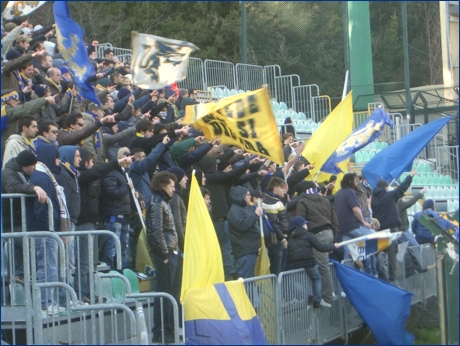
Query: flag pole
x,y
345,86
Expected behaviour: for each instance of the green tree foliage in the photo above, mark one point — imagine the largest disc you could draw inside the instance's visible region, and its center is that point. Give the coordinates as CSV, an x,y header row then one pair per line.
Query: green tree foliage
x,y
304,38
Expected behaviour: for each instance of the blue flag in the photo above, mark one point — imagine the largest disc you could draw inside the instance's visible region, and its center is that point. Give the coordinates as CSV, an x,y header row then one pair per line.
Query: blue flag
x,y
73,49
389,163
366,133
382,306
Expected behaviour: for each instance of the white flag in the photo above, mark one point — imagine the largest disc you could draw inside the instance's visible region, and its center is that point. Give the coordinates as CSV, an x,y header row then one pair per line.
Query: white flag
x,y
16,9
159,61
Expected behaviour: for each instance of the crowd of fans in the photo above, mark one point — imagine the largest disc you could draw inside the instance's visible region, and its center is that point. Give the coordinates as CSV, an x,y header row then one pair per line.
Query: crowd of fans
x,y
96,162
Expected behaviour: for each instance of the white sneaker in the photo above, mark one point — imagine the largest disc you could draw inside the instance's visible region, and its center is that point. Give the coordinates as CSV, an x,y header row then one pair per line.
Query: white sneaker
x,y
343,295
323,303
78,303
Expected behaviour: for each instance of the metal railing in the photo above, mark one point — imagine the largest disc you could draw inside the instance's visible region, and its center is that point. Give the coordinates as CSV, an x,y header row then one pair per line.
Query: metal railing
x,y
321,107
219,73
447,161
249,77
195,75
284,89
303,99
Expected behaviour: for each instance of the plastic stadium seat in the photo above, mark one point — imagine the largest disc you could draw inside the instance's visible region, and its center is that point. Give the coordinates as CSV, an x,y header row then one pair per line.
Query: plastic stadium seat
x,y
283,106
279,121
431,180
294,115
424,180
370,146
241,92
416,180
17,294
133,281
302,116
275,105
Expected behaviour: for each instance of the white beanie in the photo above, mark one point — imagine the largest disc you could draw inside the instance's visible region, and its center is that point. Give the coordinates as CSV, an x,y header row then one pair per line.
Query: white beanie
x,y
49,46
26,31
38,27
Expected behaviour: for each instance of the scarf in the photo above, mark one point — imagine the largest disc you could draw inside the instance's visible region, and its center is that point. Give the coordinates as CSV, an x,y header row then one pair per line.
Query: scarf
x,y
27,80
100,87
57,86
31,145
71,169
311,191
43,139
64,212
138,134
20,82
4,119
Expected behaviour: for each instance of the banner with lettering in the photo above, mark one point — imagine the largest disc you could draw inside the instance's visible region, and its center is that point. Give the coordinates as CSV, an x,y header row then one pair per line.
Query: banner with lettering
x,y
244,120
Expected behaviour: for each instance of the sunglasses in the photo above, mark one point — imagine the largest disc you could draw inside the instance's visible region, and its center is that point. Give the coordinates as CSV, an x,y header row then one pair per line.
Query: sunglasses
x,y
127,154
54,131
81,124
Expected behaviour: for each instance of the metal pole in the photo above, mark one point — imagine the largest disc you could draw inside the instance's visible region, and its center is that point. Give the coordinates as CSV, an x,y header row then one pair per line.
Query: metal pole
x,y
346,51
406,62
244,52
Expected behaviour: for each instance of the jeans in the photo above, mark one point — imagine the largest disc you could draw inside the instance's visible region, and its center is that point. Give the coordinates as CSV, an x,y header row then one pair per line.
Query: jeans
x,y
369,264
46,254
407,236
245,266
110,250
313,274
275,254
223,235
82,274
168,279
322,259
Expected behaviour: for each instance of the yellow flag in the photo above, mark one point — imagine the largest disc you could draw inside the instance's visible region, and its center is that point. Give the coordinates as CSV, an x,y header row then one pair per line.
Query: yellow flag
x,y
202,257
262,266
334,130
143,259
244,120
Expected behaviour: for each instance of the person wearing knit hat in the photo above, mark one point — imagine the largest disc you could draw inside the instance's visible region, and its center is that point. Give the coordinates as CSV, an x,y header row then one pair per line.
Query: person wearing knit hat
x,y
300,252
180,175
103,83
25,159
422,234
12,54
65,72
41,90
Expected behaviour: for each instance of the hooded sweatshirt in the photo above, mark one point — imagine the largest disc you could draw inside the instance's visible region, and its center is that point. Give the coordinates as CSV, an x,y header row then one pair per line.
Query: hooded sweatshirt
x,y
68,180
243,224
37,214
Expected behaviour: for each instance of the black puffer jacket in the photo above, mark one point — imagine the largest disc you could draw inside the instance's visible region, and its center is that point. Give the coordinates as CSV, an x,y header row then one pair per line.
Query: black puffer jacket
x,y
318,211
161,232
115,191
277,215
300,245
243,224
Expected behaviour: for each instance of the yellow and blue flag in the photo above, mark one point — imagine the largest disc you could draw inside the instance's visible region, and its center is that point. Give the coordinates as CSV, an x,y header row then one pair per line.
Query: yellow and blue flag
x,y
221,314
383,306
202,256
333,131
389,163
362,247
366,133
244,120
73,49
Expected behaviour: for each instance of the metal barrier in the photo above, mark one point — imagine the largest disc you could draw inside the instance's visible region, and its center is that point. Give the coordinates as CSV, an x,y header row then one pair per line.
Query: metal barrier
x,y
142,333
351,318
284,89
447,161
195,75
303,99
295,313
100,49
249,77
219,73
329,321
427,254
124,58
263,292
270,73
321,106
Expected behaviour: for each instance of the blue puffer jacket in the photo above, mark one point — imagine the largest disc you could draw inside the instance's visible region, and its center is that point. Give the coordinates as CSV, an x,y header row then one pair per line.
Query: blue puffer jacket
x,y
422,234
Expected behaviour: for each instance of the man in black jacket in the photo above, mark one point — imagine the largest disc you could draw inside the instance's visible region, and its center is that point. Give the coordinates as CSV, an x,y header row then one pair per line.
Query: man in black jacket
x,y
385,209
89,217
218,183
243,222
15,179
301,255
163,242
323,224
277,216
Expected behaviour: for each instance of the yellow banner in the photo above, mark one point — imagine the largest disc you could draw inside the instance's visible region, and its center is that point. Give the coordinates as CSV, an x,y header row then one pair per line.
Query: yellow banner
x,y
202,257
244,120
